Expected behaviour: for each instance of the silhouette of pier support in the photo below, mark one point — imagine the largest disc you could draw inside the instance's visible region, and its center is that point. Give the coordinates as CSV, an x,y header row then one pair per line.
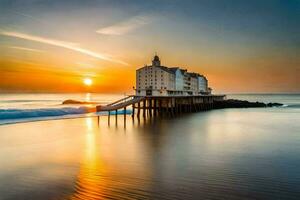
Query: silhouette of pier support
x,y
153,106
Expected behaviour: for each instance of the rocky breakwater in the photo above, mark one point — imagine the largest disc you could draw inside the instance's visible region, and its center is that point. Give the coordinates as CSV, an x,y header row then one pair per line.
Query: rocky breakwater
x,y
234,103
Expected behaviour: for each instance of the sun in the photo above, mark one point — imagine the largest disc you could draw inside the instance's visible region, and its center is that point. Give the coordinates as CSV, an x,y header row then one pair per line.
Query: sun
x,y
87,81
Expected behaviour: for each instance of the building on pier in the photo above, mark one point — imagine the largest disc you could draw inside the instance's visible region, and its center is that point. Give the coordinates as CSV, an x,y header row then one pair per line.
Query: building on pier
x,y
158,80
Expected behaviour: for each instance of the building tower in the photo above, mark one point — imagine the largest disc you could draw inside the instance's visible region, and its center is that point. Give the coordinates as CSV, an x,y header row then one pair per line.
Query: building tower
x,y
156,61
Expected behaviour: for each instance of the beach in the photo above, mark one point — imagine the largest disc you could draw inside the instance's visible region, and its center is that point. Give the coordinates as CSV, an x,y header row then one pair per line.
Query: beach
x,y
229,153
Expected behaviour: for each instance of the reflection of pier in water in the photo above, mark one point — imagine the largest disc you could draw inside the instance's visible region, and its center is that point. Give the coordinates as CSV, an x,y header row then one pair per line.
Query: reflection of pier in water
x,y
152,106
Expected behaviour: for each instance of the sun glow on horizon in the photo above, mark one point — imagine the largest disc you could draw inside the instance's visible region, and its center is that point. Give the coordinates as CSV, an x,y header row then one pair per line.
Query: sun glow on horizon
x,y
87,81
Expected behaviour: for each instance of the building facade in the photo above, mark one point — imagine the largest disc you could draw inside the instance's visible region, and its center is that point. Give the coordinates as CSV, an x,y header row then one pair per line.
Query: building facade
x,y
202,84
158,80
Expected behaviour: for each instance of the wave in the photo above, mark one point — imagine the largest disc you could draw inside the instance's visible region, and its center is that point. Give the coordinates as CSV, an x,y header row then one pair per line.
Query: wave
x,y
42,112
11,116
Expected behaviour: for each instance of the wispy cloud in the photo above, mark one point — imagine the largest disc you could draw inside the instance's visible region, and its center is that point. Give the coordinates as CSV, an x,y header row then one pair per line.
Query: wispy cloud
x,y
25,49
63,44
125,26
28,16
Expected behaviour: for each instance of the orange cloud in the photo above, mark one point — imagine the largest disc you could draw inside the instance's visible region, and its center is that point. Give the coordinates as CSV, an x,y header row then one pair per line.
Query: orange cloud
x,y
67,45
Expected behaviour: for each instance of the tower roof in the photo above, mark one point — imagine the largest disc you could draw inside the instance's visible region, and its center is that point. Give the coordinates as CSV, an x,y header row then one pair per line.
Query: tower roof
x,y
156,58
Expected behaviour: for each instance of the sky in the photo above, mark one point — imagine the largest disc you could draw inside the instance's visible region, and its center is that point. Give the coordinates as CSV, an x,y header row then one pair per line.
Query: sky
x,y
240,46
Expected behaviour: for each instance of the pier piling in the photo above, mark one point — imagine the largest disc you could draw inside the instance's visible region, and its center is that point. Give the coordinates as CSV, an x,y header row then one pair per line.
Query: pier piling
x,y
124,116
116,117
108,120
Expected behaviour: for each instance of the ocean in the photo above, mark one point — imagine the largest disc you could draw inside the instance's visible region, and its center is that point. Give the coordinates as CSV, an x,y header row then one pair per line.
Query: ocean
x,y
34,107
64,152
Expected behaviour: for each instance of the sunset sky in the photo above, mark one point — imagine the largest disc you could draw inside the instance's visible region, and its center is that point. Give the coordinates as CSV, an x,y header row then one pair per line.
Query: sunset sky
x,y
241,46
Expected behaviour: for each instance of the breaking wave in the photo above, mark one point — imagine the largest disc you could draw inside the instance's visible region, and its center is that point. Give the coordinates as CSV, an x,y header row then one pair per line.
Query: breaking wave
x,y
42,112
9,116
22,115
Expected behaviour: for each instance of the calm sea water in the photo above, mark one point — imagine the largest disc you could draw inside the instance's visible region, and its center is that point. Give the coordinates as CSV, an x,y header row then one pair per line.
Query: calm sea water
x,y
220,154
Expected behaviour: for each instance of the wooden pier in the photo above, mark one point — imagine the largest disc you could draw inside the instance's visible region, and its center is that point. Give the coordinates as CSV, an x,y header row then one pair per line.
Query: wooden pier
x,y
152,106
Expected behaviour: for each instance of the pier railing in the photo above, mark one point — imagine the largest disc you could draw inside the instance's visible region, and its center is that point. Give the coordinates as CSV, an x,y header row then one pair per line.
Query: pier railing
x,y
121,100
121,103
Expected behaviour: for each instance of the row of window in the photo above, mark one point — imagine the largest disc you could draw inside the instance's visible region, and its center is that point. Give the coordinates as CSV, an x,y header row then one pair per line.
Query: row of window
x,y
155,88
151,83
151,80
151,76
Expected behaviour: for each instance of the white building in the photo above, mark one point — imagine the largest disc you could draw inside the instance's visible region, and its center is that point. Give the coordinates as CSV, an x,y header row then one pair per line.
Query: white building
x,y
157,80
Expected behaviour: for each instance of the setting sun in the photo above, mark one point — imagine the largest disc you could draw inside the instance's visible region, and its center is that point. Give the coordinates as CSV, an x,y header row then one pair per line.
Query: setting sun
x,y
87,81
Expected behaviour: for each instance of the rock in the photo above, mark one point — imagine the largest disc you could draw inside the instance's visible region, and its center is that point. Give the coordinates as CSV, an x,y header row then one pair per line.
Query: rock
x,y
70,101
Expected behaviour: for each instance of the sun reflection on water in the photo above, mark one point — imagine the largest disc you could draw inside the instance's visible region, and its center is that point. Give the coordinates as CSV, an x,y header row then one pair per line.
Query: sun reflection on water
x,y
88,185
103,172
88,97
89,124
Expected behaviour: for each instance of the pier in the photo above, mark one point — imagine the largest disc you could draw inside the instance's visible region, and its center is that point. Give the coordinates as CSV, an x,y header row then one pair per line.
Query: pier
x,y
165,91
152,106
